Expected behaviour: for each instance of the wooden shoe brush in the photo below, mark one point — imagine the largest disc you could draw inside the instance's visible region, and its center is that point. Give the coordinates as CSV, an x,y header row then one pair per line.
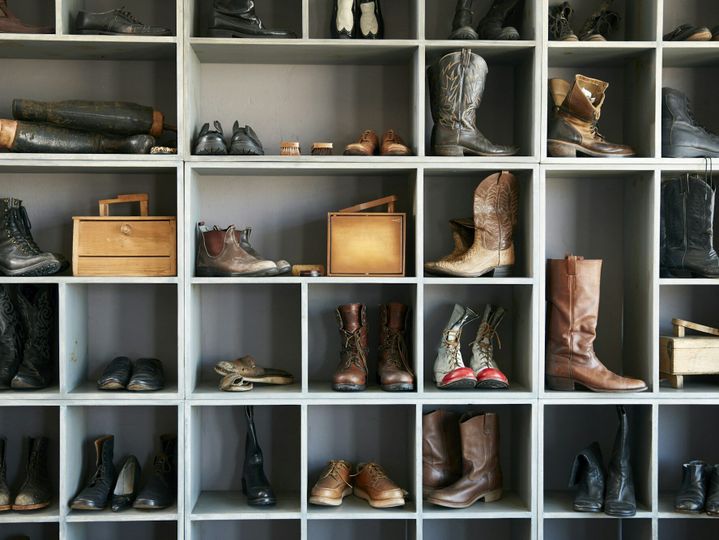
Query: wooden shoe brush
x,y
322,149
290,148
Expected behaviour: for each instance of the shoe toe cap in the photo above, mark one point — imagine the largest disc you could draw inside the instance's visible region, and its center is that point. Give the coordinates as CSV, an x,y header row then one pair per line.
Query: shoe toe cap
x,y
620,508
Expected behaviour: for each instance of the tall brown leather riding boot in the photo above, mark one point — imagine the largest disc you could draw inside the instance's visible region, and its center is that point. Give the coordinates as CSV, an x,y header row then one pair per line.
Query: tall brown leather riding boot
x,y
574,309
10,24
441,456
481,472
393,365
351,373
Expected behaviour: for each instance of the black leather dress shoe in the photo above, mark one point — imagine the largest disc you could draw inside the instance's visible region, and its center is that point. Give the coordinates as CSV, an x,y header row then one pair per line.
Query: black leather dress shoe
x,y
126,485
115,22
245,142
210,142
116,375
237,19
161,488
147,376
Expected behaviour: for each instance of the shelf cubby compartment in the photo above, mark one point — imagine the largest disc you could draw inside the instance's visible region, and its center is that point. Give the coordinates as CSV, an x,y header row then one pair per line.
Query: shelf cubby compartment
x,y
637,22
146,530
694,12
449,194
36,530
469,529
33,13
325,342
137,430
597,529
267,529
348,529
232,321
514,348
104,321
383,434
217,439
289,221
678,529
278,14
570,428
17,423
400,20
515,456
577,201
154,13
439,15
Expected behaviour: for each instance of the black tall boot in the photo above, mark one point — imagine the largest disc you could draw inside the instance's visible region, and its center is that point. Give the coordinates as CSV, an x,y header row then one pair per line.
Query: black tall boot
x,y
254,482
492,25
37,315
462,22
5,504
237,18
687,207
35,492
10,338
620,500
161,489
589,477
95,494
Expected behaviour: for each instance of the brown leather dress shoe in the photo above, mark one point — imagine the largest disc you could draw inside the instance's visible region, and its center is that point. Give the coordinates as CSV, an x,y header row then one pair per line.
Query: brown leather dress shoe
x,y
366,146
393,145
333,485
374,486
351,373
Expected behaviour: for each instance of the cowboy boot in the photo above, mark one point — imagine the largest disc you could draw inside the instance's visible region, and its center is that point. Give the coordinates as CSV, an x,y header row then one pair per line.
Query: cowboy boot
x,y
441,454
10,24
351,373
254,482
588,476
495,217
687,209
35,492
449,369
5,504
489,376
161,488
462,22
693,492
574,119
456,85
559,27
11,338
393,365
35,307
492,25
573,312
682,135
237,19
620,500
481,472
219,254
462,236
95,494
600,23
243,237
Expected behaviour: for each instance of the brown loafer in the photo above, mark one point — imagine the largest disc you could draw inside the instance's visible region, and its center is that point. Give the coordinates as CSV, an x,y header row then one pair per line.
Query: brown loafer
x,y
366,146
375,487
247,368
333,485
393,145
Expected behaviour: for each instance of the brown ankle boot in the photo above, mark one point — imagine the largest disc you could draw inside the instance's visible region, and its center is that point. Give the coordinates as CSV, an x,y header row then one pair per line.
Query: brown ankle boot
x,y
441,456
219,254
393,366
574,309
481,472
351,373
573,122
10,24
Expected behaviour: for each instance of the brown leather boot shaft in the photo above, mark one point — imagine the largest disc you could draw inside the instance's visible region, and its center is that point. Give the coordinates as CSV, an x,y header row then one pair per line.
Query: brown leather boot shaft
x,y
496,201
441,457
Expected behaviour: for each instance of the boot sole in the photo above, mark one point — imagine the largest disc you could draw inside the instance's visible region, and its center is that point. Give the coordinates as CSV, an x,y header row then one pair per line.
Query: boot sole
x,y
5,507
329,501
215,273
686,152
563,384
40,269
557,148
379,503
398,387
106,33
490,496
492,384
111,386
496,271
218,32
349,387
455,150
23,508
461,384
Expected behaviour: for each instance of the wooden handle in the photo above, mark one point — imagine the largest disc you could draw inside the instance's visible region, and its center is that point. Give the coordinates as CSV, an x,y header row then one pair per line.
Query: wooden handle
x,y
680,325
142,198
389,201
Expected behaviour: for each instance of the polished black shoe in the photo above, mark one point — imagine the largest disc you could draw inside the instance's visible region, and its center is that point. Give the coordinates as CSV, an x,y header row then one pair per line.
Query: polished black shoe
x,y
371,24
36,310
237,19
210,142
693,492
245,142
115,22
95,494
147,376
35,493
254,482
161,488
589,477
712,499
116,375
620,500
126,485
10,338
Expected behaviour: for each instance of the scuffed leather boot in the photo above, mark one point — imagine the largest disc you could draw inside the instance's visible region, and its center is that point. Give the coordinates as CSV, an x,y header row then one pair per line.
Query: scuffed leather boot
x,y
11,338
712,504
462,22
161,488
574,119
237,19
600,24
588,476
254,482
5,504
682,135
496,200
35,306
492,26
559,27
393,365
687,215
371,24
489,376
693,492
456,85
441,450
450,373
10,24
95,494
573,312
351,373
344,19
481,471
219,254
35,493
620,500
243,237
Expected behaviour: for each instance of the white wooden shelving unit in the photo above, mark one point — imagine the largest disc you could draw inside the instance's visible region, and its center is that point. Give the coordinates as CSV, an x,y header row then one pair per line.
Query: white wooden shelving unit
x,y
315,89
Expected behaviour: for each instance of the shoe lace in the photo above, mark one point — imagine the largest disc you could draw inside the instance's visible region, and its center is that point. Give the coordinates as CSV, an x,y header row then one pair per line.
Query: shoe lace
x,y
27,226
336,466
393,343
487,333
129,16
366,136
17,235
376,474
453,350
594,130
353,347
695,123
162,464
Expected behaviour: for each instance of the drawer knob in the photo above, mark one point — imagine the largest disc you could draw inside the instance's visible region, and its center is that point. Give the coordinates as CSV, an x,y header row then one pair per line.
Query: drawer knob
x,y
126,229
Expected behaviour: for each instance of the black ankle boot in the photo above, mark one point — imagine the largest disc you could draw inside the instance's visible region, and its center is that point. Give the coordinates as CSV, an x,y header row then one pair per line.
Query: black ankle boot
x,y
35,306
161,488
492,26
95,494
620,500
254,482
692,495
589,476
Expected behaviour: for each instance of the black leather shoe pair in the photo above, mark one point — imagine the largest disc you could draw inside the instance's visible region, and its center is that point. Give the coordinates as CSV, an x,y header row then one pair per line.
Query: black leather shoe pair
x,y
700,489
356,19
145,376
244,141
612,490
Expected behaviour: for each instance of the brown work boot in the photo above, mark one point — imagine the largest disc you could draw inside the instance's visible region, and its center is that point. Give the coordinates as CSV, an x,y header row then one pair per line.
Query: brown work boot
x,y
10,24
573,122
374,486
366,146
573,312
393,145
481,472
219,254
441,457
333,485
351,373
393,366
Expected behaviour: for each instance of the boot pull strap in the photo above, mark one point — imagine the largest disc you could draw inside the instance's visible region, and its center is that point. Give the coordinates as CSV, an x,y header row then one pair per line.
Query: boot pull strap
x,y
572,264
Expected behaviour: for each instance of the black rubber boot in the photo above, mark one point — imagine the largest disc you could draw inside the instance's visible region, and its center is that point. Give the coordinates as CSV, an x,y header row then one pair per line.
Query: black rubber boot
x,y
254,482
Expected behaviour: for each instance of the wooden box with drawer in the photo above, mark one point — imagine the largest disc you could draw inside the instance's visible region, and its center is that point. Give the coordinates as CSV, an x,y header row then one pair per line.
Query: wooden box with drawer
x,y
123,245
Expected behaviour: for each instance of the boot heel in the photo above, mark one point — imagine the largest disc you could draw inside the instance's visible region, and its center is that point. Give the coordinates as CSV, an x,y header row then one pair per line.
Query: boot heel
x,y
677,273
493,496
219,32
560,149
450,150
502,271
560,383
